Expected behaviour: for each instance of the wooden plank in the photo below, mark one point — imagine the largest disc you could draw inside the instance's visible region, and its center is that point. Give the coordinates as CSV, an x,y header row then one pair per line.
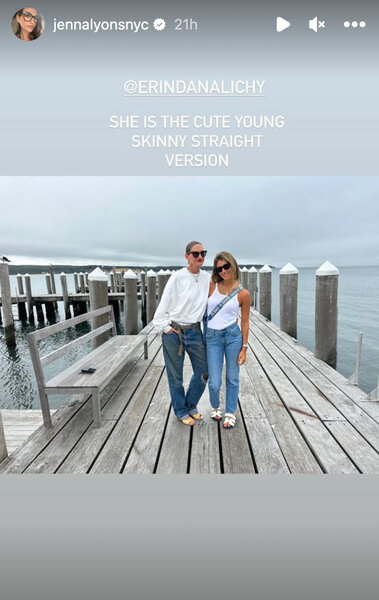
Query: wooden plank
x,y
115,407
360,452
21,459
174,453
353,392
266,450
42,437
205,448
235,449
144,454
19,426
349,410
319,402
104,440
51,458
327,451
114,453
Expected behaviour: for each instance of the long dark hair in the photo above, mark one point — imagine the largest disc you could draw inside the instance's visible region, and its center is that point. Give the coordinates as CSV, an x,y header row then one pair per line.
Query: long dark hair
x,y
33,35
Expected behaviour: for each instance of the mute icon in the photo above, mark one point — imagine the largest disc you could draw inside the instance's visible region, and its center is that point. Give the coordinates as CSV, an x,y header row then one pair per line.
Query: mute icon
x,y
315,24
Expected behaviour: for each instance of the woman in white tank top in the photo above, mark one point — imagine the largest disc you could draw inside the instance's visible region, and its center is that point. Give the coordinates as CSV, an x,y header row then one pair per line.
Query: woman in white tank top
x,y
223,336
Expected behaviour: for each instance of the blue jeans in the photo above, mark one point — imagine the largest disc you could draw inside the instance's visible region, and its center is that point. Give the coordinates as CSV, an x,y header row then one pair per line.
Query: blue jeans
x,y
185,404
224,342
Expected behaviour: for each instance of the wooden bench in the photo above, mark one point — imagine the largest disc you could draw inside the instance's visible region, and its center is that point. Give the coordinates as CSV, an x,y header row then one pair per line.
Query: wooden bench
x,y
108,359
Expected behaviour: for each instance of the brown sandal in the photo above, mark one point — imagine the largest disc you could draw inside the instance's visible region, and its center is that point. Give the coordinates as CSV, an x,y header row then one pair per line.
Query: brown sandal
x,y
197,417
188,421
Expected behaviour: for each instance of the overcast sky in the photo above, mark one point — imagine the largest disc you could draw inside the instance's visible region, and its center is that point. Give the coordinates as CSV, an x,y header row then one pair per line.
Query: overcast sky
x,y
149,220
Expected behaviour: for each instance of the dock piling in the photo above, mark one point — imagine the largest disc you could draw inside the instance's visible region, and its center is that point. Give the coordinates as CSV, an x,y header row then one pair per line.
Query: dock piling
x,y
39,311
143,298
151,297
252,285
113,285
265,291
48,283
288,277
244,277
6,299
76,283
326,313
29,298
162,280
21,305
66,302
98,294
82,283
131,303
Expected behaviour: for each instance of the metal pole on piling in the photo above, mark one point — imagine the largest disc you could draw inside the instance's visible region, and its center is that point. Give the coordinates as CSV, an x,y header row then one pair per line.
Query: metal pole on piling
x,y
3,443
326,313
151,297
131,302
252,285
354,378
6,299
66,301
29,299
265,291
288,284
98,297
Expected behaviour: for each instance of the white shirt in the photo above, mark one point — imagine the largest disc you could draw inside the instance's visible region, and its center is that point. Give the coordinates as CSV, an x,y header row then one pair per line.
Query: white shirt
x,y
183,300
227,315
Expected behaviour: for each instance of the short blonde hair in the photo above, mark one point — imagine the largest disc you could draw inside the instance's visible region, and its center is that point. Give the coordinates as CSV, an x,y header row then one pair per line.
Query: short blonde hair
x,y
229,258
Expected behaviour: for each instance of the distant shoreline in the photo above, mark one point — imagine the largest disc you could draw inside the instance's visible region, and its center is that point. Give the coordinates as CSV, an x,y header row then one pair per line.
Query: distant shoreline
x,y
41,269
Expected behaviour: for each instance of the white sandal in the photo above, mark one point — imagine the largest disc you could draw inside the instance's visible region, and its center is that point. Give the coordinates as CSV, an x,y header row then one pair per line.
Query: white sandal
x,y
216,414
230,420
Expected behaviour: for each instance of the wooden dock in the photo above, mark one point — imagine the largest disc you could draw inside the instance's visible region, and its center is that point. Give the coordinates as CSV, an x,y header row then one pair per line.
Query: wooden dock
x,y
19,426
296,415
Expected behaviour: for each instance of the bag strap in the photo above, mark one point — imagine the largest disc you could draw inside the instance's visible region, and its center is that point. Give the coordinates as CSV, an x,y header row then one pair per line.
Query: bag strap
x,y
224,301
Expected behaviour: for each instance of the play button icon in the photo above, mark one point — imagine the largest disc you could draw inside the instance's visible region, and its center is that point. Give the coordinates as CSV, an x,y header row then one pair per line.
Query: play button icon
x,y
282,24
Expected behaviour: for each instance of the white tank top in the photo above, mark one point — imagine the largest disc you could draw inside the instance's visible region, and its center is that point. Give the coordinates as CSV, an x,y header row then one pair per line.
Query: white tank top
x,y
227,315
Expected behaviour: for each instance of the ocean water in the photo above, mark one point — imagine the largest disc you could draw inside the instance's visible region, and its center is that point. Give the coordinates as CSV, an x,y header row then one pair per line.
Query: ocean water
x,y
358,311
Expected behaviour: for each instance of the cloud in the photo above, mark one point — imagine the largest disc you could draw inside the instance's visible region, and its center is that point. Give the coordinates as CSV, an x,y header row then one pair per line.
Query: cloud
x,y
148,220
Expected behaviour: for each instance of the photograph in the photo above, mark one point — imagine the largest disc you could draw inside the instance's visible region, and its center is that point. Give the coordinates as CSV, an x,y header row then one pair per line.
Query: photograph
x,y
189,325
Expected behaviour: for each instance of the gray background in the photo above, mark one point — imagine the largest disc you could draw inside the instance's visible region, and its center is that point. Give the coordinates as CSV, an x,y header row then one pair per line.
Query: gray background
x,y
59,91
168,537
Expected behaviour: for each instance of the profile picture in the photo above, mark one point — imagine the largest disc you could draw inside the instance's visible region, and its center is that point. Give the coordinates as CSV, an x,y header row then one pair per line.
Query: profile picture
x,y
28,24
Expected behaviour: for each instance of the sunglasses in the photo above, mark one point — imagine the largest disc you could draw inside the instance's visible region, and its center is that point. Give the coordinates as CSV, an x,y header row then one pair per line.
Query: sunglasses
x,y
202,253
29,17
224,267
